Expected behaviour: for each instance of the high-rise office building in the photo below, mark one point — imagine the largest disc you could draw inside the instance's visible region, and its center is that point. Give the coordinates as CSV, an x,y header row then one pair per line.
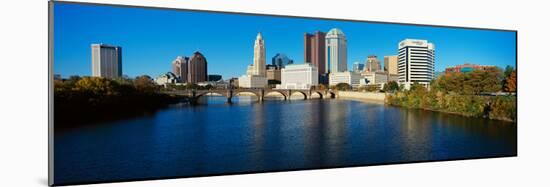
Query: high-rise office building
x,y
106,61
372,64
336,51
416,62
314,50
281,60
197,69
258,67
256,73
390,64
179,68
358,67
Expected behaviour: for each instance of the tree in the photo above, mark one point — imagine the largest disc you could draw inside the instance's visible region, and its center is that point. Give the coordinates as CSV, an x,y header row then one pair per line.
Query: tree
x,y
511,82
391,86
97,86
322,86
508,71
416,87
343,86
144,83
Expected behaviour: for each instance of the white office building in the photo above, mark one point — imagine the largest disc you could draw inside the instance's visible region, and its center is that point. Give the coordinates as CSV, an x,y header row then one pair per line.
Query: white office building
x,y
336,51
374,78
348,77
252,81
106,61
416,62
299,76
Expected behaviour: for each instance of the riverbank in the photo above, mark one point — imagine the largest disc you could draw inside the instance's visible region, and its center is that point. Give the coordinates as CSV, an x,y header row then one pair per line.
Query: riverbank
x,y
370,97
77,109
81,101
492,107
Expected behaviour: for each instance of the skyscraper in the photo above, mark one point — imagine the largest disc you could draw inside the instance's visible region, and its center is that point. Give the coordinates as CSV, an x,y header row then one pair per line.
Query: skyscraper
x,y
197,69
106,61
258,67
281,60
336,51
416,62
314,50
372,64
256,73
179,68
390,64
358,67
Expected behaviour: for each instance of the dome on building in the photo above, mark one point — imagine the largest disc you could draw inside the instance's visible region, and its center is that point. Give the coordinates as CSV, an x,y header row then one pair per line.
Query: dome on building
x,y
197,53
335,32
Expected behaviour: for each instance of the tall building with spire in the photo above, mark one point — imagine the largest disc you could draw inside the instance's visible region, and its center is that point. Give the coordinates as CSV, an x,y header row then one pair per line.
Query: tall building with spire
x,y
336,51
256,73
259,57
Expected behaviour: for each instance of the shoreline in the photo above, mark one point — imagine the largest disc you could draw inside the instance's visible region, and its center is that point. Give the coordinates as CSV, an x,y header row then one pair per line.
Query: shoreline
x,y
376,98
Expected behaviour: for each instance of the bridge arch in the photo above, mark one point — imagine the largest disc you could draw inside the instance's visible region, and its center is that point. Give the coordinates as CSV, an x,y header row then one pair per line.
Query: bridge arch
x,y
285,96
293,92
205,93
318,93
331,94
239,93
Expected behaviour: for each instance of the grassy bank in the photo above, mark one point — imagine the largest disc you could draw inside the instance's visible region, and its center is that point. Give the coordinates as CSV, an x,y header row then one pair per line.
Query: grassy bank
x,y
493,107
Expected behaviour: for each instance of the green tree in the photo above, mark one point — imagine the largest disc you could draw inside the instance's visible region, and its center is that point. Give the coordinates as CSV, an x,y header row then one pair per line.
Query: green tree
x,y
391,86
343,86
415,87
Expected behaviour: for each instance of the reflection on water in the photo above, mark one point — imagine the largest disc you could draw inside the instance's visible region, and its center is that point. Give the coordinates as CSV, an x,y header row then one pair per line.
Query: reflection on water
x,y
245,136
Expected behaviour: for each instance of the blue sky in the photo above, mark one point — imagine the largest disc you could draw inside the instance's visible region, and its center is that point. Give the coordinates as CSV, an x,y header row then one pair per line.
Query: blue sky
x,y
152,38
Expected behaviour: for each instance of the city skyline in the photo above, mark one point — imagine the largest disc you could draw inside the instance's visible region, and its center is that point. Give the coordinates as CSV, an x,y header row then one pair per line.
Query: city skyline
x,y
150,46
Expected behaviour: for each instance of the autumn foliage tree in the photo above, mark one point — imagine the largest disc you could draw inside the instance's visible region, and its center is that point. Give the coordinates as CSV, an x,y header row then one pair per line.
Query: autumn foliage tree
x,y
470,83
511,82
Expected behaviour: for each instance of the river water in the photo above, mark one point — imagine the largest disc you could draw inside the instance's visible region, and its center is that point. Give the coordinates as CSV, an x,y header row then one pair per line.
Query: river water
x,y
219,138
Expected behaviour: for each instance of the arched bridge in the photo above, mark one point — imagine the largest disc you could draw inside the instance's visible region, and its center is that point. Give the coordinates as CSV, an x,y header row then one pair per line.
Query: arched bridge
x,y
260,94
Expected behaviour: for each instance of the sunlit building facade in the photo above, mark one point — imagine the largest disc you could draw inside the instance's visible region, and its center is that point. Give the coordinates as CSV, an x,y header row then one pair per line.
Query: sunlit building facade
x,y
299,76
336,51
197,68
106,61
416,62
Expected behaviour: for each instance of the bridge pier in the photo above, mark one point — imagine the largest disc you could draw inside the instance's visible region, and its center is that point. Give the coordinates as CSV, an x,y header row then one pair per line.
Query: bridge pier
x,y
261,95
229,96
